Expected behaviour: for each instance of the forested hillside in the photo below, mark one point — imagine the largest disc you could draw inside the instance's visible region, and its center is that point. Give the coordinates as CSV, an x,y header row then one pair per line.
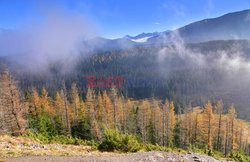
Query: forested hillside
x,y
101,115
190,73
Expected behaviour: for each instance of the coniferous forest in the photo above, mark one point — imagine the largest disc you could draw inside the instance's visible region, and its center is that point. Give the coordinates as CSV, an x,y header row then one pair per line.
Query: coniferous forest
x,y
102,114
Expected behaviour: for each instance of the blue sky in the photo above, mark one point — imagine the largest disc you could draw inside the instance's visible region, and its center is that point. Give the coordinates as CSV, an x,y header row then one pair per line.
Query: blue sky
x,y
116,18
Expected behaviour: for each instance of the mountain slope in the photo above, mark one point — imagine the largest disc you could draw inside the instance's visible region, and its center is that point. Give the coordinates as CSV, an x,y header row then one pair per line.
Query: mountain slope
x,y
230,26
234,25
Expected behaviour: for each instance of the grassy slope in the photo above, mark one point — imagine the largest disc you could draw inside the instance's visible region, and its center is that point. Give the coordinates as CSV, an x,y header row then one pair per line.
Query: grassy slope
x,y
27,146
20,146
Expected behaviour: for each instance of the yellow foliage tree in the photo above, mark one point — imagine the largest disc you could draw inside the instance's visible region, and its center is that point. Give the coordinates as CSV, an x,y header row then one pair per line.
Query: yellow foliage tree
x,y
144,118
232,123
75,101
109,111
45,103
208,124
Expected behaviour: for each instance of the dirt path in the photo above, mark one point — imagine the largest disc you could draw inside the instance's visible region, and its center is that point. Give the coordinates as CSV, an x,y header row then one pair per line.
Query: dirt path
x,y
153,156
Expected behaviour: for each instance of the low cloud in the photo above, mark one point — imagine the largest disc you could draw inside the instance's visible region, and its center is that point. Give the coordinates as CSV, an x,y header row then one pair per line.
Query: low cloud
x,y
58,37
230,60
223,73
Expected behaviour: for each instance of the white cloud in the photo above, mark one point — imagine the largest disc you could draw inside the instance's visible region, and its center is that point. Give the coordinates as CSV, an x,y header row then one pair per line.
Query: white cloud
x,y
58,38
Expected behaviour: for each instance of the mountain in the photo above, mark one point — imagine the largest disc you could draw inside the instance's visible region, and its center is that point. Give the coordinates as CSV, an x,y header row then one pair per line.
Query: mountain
x,y
103,44
141,38
230,26
234,25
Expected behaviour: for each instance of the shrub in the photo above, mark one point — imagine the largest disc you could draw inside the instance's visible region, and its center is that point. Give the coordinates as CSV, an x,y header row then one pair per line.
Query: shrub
x,y
112,141
240,157
115,141
156,147
130,144
150,147
210,153
81,129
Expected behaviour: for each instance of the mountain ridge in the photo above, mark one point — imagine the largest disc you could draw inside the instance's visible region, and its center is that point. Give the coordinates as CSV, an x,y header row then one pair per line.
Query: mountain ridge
x,y
234,25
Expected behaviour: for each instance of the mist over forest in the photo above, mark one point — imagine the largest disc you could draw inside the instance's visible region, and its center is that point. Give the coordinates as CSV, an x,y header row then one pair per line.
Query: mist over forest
x,y
64,48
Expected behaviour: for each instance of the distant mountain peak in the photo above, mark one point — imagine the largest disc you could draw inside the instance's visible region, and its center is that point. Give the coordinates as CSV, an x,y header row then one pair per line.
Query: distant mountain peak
x,y
141,38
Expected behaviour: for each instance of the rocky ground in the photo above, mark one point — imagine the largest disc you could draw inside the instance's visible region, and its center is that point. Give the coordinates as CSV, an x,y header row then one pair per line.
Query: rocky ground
x,y
153,156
